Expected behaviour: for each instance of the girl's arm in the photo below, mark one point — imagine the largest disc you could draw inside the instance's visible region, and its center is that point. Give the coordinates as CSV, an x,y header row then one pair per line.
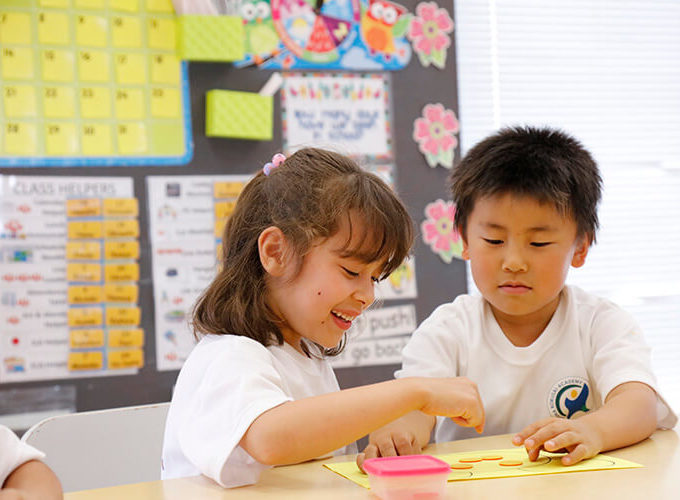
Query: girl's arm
x,y
32,480
307,428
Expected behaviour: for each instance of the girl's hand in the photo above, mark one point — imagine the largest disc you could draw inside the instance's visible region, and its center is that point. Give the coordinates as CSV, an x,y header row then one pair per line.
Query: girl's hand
x,y
576,437
388,442
456,398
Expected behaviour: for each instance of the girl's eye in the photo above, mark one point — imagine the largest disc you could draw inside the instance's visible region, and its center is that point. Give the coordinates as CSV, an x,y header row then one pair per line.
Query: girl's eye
x,y
351,273
540,243
375,280
493,242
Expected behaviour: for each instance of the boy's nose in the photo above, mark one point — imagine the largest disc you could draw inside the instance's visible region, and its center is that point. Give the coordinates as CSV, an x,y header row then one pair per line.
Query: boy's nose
x,y
514,262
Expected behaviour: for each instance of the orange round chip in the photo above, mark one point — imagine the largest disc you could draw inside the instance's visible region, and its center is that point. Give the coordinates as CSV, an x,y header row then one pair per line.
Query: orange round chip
x,y
461,466
510,463
492,457
470,460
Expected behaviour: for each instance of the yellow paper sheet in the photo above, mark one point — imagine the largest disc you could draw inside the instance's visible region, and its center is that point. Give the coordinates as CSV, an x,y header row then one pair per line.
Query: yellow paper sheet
x,y
489,467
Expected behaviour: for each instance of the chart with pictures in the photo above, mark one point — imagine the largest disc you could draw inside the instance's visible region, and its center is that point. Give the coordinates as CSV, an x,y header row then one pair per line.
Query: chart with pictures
x,y
69,278
187,215
92,82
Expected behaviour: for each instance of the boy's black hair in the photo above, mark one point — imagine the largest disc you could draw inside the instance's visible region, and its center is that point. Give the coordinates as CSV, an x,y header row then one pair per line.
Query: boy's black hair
x,y
543,163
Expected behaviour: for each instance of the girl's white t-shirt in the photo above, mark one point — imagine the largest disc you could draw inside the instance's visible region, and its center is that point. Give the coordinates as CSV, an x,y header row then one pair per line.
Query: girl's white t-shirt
x,y
14,453
225,384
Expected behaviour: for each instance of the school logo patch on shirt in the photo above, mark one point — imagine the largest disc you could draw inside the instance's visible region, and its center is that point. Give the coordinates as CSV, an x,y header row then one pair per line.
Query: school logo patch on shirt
x,y
568,397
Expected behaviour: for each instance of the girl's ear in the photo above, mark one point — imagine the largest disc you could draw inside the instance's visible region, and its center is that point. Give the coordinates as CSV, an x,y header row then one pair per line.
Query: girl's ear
x,y
272,246
581,252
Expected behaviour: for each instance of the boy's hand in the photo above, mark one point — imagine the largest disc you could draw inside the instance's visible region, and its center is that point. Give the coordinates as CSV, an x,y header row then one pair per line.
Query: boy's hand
x,y
576,437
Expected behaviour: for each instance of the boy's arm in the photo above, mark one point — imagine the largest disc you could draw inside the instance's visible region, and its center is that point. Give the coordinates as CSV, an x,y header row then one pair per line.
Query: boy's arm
x,y
32,480
407,435
306,428
628,416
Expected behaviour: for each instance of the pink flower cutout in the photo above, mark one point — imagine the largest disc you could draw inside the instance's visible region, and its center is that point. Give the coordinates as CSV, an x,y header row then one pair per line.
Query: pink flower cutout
x,y
429,33
439,231
434,133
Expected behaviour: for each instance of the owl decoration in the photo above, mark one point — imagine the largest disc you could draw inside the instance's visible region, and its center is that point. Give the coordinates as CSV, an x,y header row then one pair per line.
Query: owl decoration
x,y
381,23
261,39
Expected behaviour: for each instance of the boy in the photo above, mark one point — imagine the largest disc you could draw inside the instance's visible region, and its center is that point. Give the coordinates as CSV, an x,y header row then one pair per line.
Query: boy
x,y
569,369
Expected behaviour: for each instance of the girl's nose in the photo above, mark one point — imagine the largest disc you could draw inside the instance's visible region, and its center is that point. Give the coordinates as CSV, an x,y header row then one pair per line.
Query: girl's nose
x,y
365,292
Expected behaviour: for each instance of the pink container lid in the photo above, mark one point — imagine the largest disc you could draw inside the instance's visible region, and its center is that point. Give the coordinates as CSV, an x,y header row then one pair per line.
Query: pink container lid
x,y
406,465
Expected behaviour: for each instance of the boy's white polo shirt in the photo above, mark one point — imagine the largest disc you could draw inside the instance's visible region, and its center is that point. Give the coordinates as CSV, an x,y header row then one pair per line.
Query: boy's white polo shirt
x,y
589,347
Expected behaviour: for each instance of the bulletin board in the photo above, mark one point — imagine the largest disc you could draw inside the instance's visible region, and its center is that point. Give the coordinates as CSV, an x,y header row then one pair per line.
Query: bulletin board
x,y
92,82
430,281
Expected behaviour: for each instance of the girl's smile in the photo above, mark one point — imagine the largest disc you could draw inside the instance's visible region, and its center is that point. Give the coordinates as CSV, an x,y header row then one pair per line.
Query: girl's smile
x,y
329,291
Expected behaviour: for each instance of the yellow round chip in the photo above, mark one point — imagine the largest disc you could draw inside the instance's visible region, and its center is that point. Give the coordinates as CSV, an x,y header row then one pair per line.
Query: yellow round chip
x,y
510,463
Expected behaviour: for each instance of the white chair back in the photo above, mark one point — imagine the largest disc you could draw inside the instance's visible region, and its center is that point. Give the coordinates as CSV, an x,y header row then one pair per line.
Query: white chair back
x,y
96,449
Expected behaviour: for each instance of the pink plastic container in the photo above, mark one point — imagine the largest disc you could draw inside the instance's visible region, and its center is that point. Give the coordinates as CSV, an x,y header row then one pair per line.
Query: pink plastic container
x,y
421,477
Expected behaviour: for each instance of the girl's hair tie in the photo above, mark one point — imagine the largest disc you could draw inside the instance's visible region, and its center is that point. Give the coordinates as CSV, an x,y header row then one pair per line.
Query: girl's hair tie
x,y
277,160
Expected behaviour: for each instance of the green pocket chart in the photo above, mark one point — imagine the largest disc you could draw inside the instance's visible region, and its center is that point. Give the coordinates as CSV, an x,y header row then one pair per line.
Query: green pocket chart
x,y
92,83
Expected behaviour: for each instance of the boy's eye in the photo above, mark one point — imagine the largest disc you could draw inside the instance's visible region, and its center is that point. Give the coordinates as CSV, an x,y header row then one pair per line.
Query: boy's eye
x,y
540,243
375,280
493,242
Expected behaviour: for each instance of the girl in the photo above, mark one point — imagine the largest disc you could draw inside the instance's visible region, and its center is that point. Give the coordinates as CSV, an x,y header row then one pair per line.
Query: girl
x,y
307,241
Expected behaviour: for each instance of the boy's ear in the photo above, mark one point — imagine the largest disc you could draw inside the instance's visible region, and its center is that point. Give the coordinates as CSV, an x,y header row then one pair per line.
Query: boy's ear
x,y
465,254
272,246
581,252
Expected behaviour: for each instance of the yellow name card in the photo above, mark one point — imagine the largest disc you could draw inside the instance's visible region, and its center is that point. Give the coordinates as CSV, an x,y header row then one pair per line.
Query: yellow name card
x,y
84,272
87,338
121,293
90,360
83,250
121,228
219,227
132,358
120,207
81,230
227,189
121,272
83,207
86,316
126,338
224,209
121,250
86,294
123,316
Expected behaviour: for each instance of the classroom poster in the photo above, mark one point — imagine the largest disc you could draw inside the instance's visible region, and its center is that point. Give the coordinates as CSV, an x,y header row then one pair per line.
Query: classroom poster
x,y
69,274
92,83
377,337
401,284
332,34
186,218
349,113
